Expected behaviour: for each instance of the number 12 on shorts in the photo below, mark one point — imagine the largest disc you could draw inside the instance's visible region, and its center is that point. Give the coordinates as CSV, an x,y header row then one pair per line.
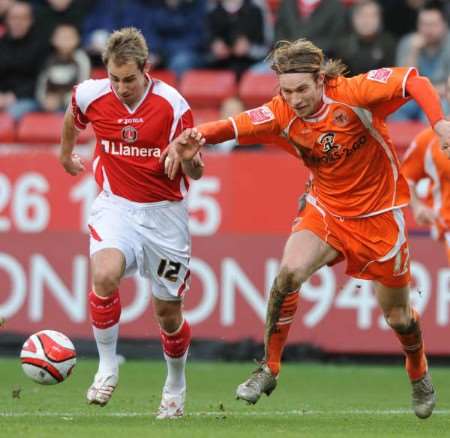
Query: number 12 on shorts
x,y
169,269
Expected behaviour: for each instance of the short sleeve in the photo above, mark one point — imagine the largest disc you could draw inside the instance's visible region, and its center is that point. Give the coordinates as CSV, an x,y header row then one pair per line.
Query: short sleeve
x,y
80,119
257,124
186,121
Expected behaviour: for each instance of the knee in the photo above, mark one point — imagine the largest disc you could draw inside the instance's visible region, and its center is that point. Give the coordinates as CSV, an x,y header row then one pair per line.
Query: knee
x,y
289,279
105,282
398,318
169,318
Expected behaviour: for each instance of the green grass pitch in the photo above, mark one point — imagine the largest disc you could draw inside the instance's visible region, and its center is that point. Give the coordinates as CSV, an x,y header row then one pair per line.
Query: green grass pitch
x,y
312,400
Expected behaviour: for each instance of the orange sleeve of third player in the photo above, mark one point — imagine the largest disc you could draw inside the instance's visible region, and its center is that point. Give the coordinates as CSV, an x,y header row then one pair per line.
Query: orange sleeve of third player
x,y
413,165
255,125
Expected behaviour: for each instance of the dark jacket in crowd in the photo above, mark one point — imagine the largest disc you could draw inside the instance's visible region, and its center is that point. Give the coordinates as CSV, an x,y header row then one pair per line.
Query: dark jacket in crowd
x,y
323,27
248,22
361,55
20,63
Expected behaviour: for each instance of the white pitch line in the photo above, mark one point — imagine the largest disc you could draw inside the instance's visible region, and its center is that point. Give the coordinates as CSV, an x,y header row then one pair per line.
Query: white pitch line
x,y
361,412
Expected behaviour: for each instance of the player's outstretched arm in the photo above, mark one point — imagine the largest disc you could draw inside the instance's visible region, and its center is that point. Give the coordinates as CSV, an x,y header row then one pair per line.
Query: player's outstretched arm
x,y
71,162
421,90
182,152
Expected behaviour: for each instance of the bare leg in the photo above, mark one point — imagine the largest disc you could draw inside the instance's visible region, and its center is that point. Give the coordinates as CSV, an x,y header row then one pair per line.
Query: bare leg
x,y
405,322
304,254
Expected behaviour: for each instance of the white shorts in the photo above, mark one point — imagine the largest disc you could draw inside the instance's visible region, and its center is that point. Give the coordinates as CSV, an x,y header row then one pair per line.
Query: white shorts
x,y
153,237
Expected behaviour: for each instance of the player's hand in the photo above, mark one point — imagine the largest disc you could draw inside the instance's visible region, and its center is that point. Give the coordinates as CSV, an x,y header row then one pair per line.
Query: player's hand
x,y
183,148
72,164
423,214
442,129
197,161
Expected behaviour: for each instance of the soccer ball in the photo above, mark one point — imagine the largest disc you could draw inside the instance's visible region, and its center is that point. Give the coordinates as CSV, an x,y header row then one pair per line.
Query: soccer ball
x,y
48,357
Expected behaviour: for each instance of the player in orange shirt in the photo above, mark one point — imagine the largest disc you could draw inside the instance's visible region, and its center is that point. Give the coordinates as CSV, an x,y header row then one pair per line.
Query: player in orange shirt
x,y
336,126
425,159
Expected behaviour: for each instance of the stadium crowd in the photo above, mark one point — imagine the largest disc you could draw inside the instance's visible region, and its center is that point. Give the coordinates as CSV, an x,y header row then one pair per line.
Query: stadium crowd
x,y
48,46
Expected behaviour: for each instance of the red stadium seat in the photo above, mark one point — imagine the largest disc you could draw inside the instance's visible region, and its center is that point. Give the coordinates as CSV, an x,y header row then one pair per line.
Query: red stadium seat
x,y
203,115
7,129
207,88
167,76
402,133
273,6
42,128
45,128
99,73
257,88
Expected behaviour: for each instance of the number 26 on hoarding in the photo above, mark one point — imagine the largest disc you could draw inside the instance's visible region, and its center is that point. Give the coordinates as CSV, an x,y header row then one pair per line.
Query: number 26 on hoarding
x,y
29,209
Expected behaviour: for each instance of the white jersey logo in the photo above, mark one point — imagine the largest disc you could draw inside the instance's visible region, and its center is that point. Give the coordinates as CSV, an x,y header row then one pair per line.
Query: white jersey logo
x,y
125,150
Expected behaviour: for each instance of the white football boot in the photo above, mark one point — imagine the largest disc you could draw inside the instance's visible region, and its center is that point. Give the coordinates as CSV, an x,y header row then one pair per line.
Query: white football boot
x,y
172,405
101,390
423,396
262,381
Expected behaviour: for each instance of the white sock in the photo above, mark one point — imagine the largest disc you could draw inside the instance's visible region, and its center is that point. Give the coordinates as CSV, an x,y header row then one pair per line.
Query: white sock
x,y
106,340
176,379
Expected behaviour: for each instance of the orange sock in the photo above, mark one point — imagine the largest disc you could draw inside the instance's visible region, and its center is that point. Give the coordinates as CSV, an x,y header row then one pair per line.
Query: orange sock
x,y
413,347
277,340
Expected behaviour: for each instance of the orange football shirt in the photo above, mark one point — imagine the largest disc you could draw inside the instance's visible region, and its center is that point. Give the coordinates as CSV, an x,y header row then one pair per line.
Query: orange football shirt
x,y
346,145
425,159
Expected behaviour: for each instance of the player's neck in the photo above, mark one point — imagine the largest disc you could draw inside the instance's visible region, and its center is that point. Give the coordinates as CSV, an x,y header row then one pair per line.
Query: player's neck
x,y
320,108
139,99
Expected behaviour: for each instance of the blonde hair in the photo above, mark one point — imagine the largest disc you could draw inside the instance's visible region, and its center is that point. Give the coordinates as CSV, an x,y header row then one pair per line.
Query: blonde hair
x,y
125,45
302,56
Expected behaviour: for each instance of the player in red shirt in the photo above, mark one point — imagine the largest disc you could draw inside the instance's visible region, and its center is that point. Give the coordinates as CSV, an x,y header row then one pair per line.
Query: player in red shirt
x,y
139,222
336,126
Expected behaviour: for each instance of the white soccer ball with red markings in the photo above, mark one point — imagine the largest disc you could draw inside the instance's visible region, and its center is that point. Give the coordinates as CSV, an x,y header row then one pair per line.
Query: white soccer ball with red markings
x,y
48,357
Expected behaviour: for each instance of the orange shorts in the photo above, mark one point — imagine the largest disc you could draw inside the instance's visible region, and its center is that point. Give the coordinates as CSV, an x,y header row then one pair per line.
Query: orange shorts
x,y
375,248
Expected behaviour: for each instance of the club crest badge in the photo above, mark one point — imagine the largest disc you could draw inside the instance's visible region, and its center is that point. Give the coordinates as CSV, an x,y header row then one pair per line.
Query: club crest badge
x,y
129,134
340,117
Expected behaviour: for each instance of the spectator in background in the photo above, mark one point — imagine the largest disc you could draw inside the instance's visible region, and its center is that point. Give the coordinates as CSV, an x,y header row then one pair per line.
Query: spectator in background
x,y
400,16
366,47
428,49
104,18
22,53
4,6
237,35
67,66
322,22
176,32
54,12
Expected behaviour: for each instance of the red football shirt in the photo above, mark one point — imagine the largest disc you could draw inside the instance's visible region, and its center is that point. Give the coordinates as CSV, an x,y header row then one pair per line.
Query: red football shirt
x,y
129,141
